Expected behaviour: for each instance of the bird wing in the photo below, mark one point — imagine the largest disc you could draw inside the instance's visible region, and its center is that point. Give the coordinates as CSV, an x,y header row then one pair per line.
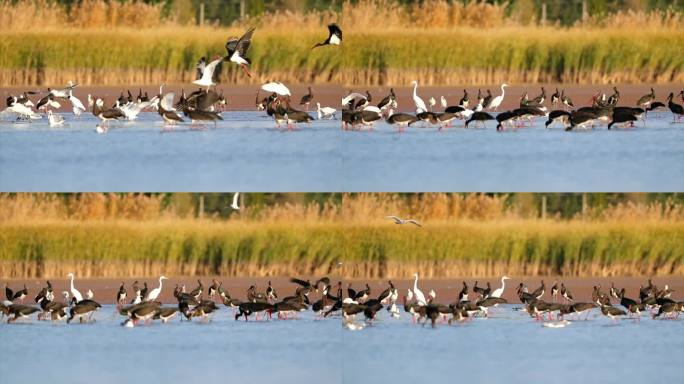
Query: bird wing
x,y
76,102
414,222
276,87
300,282
242,45
208,74
396,219
167,101
236,196
335,30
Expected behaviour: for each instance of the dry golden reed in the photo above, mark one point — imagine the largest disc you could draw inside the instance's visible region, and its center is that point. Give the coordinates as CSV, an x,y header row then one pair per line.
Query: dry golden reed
x,y
385,44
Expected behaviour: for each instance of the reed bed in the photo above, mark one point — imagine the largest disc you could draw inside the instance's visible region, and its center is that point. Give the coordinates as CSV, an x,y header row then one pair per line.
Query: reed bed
x,y
378,250
116,235
112,43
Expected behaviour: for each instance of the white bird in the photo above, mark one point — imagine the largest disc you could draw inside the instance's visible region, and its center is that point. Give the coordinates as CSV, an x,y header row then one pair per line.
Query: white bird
x,y
354,95
22,110
276,87
74,292
65,294
155,292
235,205
432,102
420,104
443,101
208,74
325,112
496,102
398,220
420,298
76,104
55,120
89,295
499,291
432,294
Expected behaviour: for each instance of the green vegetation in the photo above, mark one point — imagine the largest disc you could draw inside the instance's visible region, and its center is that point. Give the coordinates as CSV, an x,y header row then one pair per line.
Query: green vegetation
x,y
186,247
98,235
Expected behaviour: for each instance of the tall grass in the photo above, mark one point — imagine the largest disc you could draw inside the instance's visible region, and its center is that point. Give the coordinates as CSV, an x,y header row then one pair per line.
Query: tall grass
x,y
436,42
465,248
97,235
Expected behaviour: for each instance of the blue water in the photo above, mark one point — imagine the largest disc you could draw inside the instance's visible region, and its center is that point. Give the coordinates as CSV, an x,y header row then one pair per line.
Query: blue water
x,y
507,347
246,152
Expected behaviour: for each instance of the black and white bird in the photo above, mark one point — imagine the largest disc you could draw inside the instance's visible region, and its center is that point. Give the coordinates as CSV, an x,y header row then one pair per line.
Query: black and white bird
x,y
334,36
237,50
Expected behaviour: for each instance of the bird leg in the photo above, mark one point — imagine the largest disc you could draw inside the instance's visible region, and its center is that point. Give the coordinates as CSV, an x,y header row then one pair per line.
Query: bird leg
x,y
246,70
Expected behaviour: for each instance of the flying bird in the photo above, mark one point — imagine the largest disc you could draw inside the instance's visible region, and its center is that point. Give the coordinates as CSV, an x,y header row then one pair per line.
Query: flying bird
x,y
207,70
237,50
334,38
235,205
398,220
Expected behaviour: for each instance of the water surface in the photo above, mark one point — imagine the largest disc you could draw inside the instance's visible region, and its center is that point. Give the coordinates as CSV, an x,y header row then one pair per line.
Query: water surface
x,y
246,152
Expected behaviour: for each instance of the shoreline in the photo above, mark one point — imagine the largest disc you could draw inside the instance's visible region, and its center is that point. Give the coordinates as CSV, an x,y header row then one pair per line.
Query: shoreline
x,y
243,97
105,289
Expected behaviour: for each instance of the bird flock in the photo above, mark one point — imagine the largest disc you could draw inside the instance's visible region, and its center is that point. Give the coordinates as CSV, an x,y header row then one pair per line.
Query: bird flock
x,y
141,305
358,112
206,104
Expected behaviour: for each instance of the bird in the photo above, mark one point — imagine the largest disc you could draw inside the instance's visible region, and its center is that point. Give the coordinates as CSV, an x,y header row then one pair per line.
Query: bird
x,y
402,119
612,312
557,115
325,112
89,295
55,120
121,295
237,50
234,205
499,291
306,99
675,108
465,100
496,102
166,109
420,104
480,117
154,294
334,36
566,293
646,100
417,293
76,104
443,102
565,99
398,220
432,102
555,98
207,79
74,292
276,87
622,116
